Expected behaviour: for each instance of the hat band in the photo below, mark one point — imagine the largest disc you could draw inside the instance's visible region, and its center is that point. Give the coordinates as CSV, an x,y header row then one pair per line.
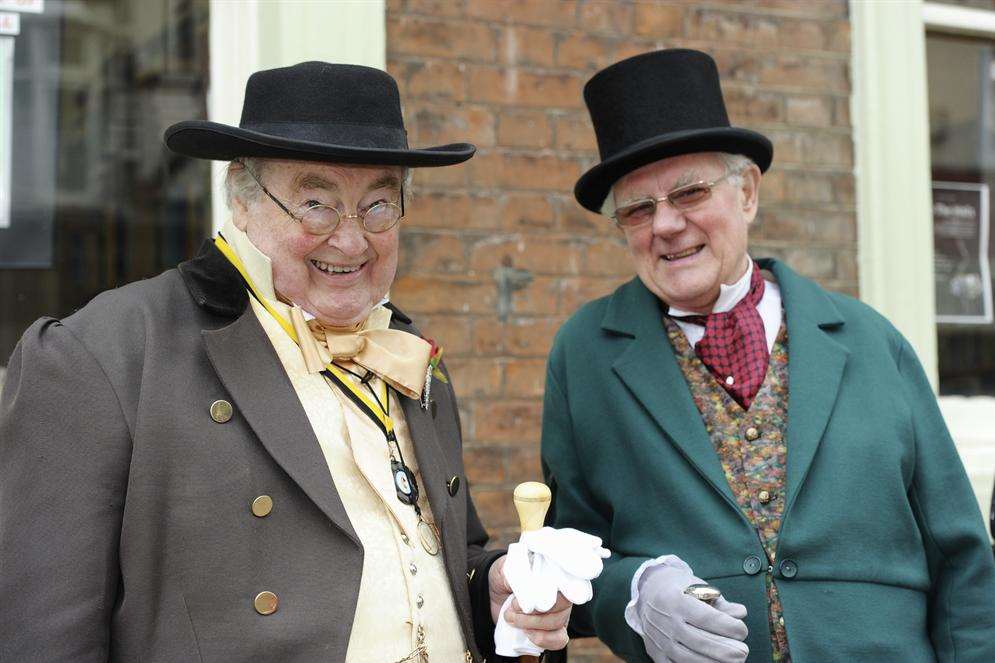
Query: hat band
x,y
344,134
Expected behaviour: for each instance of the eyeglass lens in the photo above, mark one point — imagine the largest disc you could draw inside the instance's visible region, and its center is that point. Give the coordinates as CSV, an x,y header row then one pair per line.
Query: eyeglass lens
x,y
644,210
322,219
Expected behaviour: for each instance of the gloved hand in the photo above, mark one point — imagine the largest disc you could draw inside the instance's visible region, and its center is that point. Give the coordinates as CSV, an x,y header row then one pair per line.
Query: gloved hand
x,y
678,628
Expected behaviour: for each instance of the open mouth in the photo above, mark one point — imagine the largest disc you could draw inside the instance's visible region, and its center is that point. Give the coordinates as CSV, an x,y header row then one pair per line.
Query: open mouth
x,y
671,257
336,269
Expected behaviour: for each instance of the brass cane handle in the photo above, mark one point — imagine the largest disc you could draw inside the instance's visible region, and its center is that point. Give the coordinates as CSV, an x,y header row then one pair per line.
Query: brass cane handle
x,y
532,502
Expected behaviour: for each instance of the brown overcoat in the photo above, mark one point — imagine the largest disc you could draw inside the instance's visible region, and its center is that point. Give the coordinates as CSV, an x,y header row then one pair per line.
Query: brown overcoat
x,y
125,525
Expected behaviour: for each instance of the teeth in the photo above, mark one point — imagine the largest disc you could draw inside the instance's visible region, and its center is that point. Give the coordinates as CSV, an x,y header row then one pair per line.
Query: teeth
x,y
335,269
682,254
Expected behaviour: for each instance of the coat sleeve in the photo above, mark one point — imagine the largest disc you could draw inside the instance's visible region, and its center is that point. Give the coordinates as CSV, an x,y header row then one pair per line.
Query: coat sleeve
x,y
962,572
64,456
574,505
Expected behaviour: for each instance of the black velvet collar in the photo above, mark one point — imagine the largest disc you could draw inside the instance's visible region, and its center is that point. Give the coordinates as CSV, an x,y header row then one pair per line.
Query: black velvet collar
x,y
216,285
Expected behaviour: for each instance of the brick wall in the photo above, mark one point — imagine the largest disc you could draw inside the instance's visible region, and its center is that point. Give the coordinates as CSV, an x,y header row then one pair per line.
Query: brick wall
x,y
496,252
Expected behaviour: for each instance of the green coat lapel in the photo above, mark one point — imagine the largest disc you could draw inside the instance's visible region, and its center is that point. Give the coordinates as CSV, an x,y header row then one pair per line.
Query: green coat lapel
x,y
649,370
816,363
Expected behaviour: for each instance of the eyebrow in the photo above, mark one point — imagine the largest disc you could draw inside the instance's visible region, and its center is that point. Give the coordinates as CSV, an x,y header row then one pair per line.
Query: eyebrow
x,y
309,180
689,177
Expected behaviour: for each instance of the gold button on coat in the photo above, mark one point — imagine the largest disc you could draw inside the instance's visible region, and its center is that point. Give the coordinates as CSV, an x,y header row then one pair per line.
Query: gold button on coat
x,y
262,505
752,433
265,603
221,411
764,496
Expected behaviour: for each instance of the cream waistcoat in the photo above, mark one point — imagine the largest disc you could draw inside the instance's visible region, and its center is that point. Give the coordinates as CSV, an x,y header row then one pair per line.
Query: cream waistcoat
x,y
404,596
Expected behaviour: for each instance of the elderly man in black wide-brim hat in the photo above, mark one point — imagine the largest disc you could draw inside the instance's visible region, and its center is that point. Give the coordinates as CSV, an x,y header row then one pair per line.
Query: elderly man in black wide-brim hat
x,y
723,420
254,456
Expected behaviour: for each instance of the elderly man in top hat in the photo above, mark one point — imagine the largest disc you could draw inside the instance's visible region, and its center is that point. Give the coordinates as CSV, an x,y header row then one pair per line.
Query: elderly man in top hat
x,y
254,457
722,420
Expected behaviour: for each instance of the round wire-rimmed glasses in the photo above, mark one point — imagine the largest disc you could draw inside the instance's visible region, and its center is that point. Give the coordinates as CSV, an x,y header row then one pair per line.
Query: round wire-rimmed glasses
x,y
322,219
642,211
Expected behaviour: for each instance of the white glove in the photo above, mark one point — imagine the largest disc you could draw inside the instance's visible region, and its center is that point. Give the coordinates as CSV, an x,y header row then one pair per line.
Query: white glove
x,y
542,564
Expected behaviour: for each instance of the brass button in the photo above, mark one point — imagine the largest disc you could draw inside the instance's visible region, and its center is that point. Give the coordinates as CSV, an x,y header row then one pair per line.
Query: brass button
x,y
752,433
265,603
470,574
420,600
763,496
453,485
221,411
413,569
262,505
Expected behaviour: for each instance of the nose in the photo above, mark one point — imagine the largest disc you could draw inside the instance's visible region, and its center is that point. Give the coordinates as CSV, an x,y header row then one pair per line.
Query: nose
x,y
349,237
668,221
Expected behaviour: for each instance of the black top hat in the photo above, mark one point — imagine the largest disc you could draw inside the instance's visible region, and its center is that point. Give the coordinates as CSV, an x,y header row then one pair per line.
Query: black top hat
x,y
315,111
658,105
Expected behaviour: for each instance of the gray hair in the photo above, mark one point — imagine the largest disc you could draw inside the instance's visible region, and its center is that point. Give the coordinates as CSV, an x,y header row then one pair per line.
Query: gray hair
x,y
240,185
733,163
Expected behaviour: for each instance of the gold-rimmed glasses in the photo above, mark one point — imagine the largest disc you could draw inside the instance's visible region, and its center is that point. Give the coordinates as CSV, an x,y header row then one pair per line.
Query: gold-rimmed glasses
x,y
320,219
683,198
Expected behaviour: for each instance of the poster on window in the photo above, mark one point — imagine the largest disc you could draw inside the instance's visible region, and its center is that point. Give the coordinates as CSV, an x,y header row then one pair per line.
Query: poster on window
x,y
960,255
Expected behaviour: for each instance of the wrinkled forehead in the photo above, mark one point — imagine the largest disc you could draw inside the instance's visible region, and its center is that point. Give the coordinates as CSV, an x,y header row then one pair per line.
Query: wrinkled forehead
x,y
658,177
336,178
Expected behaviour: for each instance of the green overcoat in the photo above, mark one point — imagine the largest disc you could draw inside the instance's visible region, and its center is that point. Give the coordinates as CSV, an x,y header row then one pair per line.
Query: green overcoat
x,y
882,554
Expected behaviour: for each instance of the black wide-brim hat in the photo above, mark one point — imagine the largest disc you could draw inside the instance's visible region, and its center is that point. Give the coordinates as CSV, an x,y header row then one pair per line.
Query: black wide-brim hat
x,y
315,111
654,106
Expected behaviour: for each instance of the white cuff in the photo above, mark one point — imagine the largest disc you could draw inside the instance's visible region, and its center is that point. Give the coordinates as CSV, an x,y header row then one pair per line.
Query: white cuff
x,y
631,616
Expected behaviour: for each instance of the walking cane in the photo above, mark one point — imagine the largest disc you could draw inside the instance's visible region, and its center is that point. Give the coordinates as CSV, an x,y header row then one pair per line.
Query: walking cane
x,y
532,502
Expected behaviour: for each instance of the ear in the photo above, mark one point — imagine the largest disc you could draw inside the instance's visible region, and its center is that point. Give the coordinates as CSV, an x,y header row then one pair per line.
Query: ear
x,y
751,192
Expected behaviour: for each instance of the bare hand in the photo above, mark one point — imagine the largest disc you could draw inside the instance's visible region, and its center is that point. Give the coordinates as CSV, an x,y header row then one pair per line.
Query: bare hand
x,y
545,629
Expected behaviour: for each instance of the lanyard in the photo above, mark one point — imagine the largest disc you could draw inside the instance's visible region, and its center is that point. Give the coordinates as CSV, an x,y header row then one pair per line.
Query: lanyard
x,y
376,408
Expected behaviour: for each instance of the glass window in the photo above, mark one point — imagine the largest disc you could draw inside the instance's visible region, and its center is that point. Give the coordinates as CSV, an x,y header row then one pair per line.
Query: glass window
x,y
96,199
962,139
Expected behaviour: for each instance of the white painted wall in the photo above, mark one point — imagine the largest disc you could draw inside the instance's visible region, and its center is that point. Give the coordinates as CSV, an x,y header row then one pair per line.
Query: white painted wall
x,y
249,35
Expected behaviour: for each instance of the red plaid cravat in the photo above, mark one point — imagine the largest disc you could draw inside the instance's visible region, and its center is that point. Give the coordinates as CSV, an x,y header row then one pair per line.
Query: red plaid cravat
x,y
734,347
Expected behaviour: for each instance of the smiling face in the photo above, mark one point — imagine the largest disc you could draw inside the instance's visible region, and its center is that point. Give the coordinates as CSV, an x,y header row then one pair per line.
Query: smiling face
x,y
337,277
683,256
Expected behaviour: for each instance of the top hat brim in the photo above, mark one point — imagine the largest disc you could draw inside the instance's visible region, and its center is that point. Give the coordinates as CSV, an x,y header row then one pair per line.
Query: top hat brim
x,y
593,186
211,140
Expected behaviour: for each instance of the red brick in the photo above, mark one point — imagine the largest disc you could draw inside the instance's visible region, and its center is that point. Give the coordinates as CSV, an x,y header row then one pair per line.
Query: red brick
x,y
437,209
452,332
519,337
536,254
806,187
801,34
523,45
484,465
434,7
812,147
658,19
527,212
605,16
495,507
577,291
839,37
809,8
806,73
524,464
809,110
439,294
580,51
609,257
574,132
439,124
473,378
436,79
752,106
841,112
729,28
448,39
538,298
575,219
450,176
557,13
525,88
524,378
524,129
509,421
428,252
523,171
811,262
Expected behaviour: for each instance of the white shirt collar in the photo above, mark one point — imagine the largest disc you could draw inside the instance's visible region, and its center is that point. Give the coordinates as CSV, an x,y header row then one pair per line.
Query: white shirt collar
x,y
729,295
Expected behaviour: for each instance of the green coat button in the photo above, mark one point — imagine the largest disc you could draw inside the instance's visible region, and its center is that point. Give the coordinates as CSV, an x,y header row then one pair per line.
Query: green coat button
x,y
788,568
752,565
